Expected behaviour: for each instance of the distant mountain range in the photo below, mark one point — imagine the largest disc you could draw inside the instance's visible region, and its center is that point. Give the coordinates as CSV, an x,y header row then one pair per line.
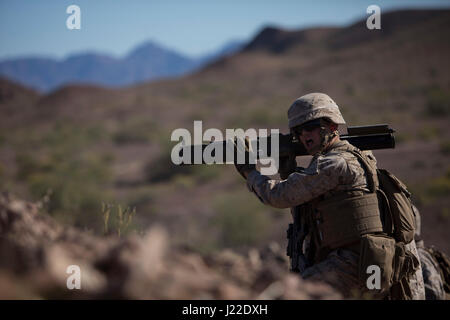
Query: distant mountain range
x,y
149,61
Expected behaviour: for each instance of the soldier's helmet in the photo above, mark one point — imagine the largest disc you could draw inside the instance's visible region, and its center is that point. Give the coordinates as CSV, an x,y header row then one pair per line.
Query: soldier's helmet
x,y
314,106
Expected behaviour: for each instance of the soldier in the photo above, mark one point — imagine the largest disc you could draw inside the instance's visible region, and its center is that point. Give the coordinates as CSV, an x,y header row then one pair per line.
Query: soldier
x,y
434,284
326,191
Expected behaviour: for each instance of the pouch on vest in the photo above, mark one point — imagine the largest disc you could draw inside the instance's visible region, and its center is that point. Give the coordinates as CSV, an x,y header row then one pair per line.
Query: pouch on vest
x,y
377,250
405,264
400,291
398,205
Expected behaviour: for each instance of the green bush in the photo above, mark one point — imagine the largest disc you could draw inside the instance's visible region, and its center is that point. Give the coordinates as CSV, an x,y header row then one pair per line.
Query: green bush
x,y
430,191
132,135
205,173
401,138
163,169
438,102
440,187
27,165
445,213
240,220
445,147
184,181
69,137
77,184
428,132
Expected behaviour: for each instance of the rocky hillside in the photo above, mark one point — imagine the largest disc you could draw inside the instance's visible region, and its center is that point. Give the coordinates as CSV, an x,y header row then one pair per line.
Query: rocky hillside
x,y
35,252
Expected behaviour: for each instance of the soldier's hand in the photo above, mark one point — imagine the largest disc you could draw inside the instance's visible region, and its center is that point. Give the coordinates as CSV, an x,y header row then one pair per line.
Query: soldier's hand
x,y
242,148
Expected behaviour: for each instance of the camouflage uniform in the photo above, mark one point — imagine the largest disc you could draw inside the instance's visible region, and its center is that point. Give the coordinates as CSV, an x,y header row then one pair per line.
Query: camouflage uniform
x,y
434,284
330,172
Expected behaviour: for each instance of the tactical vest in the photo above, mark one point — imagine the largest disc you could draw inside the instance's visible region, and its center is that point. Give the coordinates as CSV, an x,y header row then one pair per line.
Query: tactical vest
x,y
376,230
343,219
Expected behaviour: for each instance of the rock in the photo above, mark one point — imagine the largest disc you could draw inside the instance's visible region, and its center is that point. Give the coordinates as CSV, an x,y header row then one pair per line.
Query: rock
x,y
35,253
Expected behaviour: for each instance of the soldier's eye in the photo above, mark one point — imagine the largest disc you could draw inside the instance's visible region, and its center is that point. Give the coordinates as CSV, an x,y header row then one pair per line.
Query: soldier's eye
x,y
307,127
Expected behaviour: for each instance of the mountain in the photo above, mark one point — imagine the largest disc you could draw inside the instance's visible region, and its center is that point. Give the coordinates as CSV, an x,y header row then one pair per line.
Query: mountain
x,y
227,49
276,40
149,61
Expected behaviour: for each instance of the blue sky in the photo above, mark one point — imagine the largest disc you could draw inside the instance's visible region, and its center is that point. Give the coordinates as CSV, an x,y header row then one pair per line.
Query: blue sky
x,y
38,27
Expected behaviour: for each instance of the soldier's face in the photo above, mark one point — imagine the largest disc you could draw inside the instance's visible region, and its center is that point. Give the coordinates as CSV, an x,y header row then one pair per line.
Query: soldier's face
x,y
311,135
311,139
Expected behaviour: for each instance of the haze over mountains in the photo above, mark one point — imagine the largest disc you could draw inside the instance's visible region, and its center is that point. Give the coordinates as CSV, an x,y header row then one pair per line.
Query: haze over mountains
x,y
148,61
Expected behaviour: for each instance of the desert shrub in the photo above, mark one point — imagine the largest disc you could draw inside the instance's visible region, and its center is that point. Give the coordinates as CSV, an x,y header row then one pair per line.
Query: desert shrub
x,y
116,219
70,137
445,147
401,138
77,184
184,181
440,187
240,221
438,102
27,165
129,137
205,173
445,213
141,197
135,132
430,191
163,169
429,132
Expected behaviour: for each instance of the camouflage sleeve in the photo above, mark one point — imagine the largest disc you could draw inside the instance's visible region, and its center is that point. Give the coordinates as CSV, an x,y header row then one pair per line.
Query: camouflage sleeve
x,y
323,174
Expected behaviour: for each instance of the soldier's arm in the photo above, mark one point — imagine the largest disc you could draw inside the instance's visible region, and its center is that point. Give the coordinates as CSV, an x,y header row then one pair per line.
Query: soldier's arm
x,y
323,174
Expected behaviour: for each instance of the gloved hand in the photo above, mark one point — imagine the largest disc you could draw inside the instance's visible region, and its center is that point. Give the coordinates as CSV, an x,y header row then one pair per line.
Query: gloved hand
x,y
242,146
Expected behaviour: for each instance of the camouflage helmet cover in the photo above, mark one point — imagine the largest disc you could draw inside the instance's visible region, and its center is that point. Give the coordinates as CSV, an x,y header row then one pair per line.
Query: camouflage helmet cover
x,y
314,106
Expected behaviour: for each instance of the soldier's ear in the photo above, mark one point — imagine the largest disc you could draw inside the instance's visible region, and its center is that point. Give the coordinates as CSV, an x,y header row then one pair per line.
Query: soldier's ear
x,y
333,126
